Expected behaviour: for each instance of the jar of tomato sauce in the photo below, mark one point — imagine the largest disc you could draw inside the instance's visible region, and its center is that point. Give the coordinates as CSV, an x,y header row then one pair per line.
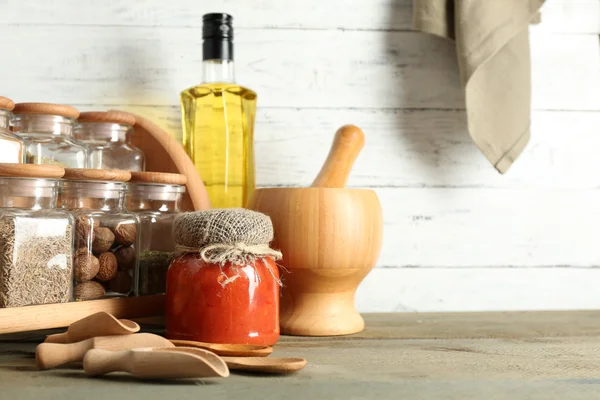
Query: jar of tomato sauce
x,y
223,286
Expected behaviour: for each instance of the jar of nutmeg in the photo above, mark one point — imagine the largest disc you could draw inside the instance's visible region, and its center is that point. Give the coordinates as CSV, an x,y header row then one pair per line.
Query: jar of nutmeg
x,y
106,135
106,236
156,198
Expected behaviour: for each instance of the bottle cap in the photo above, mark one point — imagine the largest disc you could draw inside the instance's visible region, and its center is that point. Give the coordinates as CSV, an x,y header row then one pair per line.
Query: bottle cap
x,y
217,35
217,26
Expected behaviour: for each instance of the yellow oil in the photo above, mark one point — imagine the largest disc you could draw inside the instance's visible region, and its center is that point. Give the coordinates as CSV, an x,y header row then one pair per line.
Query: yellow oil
x,y
218,135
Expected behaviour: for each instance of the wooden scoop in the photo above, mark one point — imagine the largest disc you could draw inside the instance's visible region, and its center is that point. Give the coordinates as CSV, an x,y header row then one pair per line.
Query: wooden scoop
x,y
52,355
271,365
98,324
232,350
252,364
151,363
348,142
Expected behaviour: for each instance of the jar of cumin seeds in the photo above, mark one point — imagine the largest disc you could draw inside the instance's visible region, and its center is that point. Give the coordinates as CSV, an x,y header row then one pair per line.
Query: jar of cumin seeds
x,y
36,239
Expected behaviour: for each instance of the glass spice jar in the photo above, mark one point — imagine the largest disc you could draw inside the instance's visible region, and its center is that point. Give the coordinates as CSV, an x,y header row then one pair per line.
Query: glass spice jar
x,y
223,286
11,147
106,134
47,130
156,198
106,236
36,241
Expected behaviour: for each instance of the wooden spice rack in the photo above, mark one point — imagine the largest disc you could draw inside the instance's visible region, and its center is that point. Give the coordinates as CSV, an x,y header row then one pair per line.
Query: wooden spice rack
x,y
49,316
167,155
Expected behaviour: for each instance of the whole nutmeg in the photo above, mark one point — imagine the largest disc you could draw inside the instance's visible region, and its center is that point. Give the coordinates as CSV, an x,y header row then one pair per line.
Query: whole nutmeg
x,y
121,283
88,291
85,265
108,266
103,240
125,257
126,234
84,228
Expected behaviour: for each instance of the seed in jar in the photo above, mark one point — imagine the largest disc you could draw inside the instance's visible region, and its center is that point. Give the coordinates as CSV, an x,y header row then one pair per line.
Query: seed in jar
x,y
88,291
103,240
108,266
121,283
86,265
125,257
35,267
126,234
84,227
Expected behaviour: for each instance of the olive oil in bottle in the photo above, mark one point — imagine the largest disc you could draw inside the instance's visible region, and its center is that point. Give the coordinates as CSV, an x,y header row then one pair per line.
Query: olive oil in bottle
x,y
218,120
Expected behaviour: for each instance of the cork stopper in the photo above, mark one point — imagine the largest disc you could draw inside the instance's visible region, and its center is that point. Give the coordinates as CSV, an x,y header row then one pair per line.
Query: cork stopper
x,y
46,109
88,174
6,104
111,117
158,177
31,171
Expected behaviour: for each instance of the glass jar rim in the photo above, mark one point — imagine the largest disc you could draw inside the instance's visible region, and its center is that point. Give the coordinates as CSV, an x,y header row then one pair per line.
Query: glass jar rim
x,y
150,187
37,183
41,117
68,185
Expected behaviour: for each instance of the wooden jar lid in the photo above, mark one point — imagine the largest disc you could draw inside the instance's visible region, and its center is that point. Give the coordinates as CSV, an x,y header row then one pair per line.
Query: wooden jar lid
x,y
113,117
31,171
88,174
46,109
6,104
158,177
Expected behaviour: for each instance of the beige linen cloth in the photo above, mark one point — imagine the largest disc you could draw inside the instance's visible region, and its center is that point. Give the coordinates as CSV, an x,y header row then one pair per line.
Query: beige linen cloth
x,y
492,47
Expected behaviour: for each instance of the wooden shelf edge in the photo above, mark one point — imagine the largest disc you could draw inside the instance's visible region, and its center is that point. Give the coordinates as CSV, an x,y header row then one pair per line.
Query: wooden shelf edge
x,y
49,316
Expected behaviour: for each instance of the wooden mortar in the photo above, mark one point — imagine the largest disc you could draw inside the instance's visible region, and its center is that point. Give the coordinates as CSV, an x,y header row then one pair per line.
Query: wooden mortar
x,y
330,237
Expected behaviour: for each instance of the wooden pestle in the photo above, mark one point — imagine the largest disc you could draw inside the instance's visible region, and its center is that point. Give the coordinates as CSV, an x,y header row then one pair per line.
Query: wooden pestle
x,y
347,144
52,355
330,237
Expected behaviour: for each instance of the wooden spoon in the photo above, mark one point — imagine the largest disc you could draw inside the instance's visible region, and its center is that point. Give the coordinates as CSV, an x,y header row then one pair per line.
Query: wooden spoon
x,y
98,324
151,363
271,365
233,350
252,364
51,355
348,142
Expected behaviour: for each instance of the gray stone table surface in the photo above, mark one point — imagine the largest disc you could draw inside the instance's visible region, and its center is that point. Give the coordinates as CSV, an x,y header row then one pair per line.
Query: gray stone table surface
x,y
517,355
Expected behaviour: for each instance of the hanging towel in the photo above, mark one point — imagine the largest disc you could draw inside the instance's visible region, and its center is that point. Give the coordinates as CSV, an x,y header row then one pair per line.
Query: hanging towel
x,y
492,47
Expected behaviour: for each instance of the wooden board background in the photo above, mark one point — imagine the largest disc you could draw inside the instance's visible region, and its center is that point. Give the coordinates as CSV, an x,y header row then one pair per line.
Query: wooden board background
x,y
458,236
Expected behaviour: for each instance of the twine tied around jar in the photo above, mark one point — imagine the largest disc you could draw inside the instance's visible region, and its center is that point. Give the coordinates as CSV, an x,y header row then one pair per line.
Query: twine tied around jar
x,y
219,236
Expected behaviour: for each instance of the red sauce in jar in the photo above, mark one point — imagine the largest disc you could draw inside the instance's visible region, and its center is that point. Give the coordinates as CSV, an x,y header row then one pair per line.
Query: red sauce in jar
x,y
201,305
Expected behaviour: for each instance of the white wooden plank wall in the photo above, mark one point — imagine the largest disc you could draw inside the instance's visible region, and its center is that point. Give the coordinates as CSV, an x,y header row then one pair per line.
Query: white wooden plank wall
x,y
458,236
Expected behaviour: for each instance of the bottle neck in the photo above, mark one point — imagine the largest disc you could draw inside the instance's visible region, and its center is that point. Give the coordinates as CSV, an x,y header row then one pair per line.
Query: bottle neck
x,y
218,71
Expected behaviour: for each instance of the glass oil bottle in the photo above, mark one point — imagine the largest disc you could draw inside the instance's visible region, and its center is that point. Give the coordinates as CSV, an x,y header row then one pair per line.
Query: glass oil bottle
x,y
218,120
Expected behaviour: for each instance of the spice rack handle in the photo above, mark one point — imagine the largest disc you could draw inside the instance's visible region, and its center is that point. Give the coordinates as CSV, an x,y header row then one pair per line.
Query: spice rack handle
x,y
52,355
348,142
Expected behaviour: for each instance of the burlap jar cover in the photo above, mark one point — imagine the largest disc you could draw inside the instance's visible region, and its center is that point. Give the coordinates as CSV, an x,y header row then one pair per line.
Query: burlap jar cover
x,y
233,235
